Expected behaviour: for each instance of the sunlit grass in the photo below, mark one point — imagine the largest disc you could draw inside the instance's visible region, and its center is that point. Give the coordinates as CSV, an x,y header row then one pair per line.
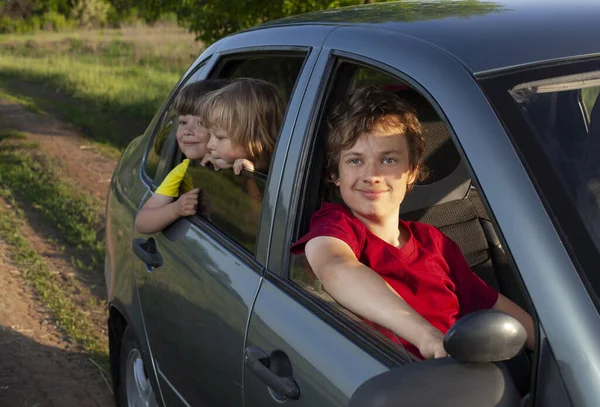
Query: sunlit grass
x,y
25,175
109,83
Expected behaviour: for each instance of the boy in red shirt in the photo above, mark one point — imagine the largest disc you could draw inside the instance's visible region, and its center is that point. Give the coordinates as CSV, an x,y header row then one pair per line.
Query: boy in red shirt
x,y
407,279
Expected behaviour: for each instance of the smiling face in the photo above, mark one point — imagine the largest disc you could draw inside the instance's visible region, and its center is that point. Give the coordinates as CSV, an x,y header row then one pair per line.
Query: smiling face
x,y
374,174
221,147
192,137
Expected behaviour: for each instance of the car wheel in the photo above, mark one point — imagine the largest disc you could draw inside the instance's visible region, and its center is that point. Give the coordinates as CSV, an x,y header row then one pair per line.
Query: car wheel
x,y
135,388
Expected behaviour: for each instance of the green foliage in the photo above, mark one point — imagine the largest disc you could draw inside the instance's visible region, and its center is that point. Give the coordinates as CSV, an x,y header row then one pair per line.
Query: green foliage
x,y
111,90
590,96
50,21
212,20
90,13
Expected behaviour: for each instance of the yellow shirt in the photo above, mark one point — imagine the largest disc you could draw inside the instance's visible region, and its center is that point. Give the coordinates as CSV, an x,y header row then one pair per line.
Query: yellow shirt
x,y
176,178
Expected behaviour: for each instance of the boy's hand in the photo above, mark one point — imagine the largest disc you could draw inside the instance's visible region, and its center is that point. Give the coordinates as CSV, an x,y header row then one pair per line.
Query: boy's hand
x,y
187,203
242,164
431,344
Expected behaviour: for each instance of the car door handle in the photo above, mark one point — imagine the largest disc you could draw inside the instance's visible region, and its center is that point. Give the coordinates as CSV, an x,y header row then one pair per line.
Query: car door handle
x,y
146,250
258,361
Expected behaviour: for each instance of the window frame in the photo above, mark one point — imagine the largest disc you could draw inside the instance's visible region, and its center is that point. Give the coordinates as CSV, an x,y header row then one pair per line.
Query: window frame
x,y
212,70
195,73
364,337
570,228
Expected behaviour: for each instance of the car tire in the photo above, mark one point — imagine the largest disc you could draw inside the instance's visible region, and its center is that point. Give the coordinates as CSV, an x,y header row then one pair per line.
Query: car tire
x,y
134,388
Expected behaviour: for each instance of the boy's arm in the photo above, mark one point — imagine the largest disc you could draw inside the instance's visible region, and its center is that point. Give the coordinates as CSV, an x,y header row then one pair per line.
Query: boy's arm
x,y
160,211
364,292
507,306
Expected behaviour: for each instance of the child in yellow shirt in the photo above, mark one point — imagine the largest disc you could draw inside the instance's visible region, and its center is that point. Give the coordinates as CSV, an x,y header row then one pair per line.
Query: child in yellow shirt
x,y
166,205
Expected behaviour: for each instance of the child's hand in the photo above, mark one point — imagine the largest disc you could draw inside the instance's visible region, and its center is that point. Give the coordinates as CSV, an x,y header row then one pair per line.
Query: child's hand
x,y
242,164
217,163
431,344
187,203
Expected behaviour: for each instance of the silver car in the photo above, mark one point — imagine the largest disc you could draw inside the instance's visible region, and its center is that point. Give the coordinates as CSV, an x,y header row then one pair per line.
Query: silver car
x,y
215,311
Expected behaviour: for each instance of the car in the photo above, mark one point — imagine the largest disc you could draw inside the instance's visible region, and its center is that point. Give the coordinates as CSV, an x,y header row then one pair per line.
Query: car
x,y
215,311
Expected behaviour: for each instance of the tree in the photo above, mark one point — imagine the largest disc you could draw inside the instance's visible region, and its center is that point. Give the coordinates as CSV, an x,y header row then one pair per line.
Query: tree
x,y
212,20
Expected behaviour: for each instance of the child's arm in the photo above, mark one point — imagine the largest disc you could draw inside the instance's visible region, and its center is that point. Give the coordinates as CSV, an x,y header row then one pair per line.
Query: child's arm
x,y
507,306
362,291
160,211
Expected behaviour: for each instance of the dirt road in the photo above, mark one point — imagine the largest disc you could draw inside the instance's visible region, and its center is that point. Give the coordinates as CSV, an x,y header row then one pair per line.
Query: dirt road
x,y
38,365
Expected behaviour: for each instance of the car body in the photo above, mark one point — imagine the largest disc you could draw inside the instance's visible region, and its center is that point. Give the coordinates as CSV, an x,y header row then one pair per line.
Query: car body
x,y
211,302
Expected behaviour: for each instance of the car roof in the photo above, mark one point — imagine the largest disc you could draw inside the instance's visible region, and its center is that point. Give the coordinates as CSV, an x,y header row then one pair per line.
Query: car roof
x,y
484,35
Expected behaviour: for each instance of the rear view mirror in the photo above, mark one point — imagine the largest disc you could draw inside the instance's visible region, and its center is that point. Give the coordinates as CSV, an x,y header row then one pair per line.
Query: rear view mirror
x,y
485,336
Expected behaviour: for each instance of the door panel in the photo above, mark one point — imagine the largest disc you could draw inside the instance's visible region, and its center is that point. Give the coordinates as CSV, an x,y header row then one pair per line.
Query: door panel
x,y
195,309
196,305
325,365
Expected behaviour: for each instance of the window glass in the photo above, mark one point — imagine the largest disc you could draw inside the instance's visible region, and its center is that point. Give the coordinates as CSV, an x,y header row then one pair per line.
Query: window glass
x,y
233,202
160,142
281,71
563,114
319,189
161,148
455,208
230,202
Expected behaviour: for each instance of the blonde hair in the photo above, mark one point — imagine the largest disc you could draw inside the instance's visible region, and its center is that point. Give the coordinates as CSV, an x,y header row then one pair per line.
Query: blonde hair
x,y
250,111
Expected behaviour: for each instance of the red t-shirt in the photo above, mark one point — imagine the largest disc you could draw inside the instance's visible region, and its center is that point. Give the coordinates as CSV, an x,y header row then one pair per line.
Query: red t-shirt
x,y
429,272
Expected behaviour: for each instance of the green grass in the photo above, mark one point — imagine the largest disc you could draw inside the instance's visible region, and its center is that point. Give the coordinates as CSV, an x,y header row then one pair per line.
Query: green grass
x,y
29,176
27,102
108,83
67,313
53,291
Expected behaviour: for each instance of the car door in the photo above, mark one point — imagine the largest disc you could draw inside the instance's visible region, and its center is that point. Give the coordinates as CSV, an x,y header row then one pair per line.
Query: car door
x,y
300,344
196,302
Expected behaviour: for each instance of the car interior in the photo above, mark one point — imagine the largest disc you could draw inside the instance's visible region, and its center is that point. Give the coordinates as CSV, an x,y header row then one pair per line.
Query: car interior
x,y
446,198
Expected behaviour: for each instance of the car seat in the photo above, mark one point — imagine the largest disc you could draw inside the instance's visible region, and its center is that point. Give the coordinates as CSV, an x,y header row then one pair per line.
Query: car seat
x,y
446,199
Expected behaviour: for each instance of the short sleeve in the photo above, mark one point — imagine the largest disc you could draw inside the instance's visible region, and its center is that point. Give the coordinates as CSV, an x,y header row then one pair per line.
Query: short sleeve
x,y
170,185
472,292
334,222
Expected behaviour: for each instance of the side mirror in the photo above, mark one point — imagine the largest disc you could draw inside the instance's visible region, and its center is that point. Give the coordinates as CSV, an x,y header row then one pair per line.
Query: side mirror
x,y
485,336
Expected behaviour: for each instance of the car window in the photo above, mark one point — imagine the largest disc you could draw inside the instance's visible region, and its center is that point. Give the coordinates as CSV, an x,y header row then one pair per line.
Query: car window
x,y
233,203
556,120
458,211
230,202
280,70
160,150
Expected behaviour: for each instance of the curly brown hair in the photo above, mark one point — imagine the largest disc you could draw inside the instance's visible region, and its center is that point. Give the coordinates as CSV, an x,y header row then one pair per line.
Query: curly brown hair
x,y
367,108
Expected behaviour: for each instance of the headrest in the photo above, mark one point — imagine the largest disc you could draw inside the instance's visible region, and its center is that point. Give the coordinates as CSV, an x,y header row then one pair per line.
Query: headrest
x,y
447,177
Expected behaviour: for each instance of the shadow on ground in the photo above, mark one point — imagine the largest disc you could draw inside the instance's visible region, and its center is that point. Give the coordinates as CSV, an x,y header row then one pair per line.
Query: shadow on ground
x,y
33,374
115,125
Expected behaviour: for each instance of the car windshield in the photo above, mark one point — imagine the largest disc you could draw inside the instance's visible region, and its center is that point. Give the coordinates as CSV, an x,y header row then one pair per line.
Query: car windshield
x,y
553,116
